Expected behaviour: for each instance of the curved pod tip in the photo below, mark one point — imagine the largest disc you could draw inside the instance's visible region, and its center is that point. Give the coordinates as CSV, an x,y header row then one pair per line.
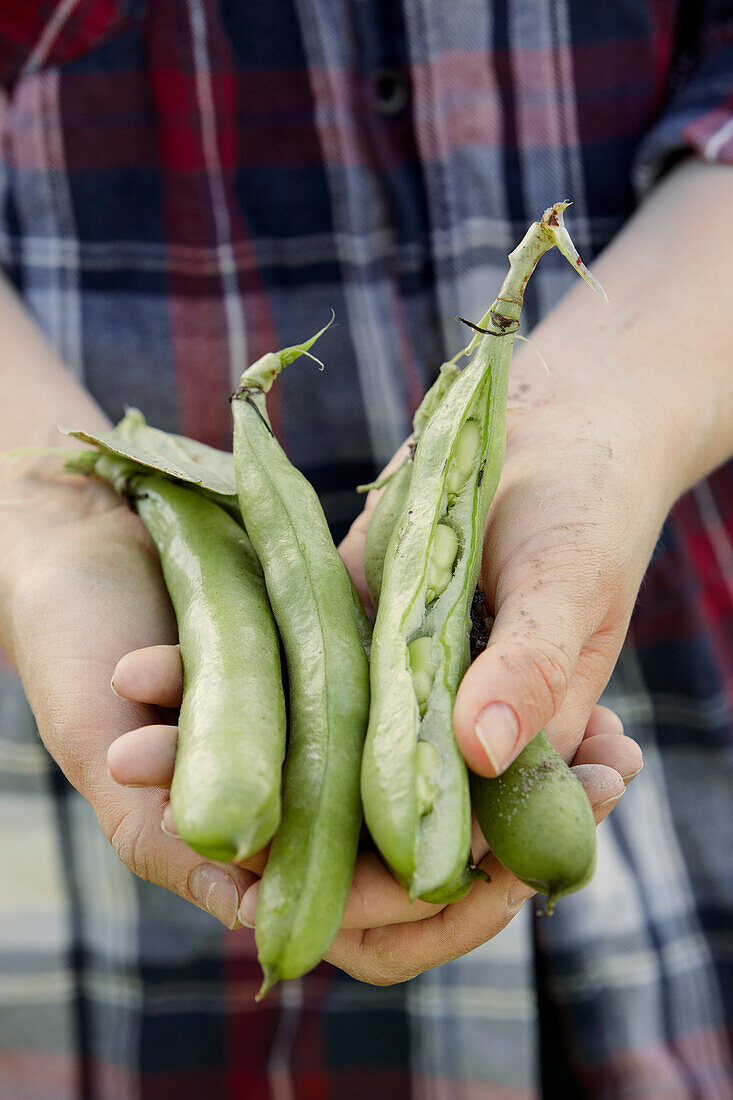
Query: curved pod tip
x,y
552,222
269,979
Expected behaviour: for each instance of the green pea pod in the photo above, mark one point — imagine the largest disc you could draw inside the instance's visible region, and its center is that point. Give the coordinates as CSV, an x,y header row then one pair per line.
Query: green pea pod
x,y
308,874
420,821
385,515
538,822
225,794
391,503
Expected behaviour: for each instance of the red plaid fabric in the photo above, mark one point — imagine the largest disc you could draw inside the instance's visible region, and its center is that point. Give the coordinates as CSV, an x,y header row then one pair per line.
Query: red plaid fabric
x,y
186,185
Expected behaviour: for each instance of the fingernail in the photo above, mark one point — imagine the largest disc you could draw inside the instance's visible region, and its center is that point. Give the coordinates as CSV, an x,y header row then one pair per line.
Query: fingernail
x,y
497,728
167,823
216,891
248,906
633,775
114,689
518,893
610,801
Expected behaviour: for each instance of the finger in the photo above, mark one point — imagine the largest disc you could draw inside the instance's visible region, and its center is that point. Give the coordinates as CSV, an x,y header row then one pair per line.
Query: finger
x,y
351,549
151,675
376,898
397,952
603,720
620,753
144,757
133,827
603,785
520,680
579,717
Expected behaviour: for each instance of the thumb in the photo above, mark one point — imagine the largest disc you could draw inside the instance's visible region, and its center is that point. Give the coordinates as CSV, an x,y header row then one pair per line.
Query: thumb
x,y
518,683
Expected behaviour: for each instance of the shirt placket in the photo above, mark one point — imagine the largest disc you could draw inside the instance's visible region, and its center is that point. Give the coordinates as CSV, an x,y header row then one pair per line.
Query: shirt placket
x,y
357,96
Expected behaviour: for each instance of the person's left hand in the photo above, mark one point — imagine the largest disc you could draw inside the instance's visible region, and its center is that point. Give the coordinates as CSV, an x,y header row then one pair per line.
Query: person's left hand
x,y
383,939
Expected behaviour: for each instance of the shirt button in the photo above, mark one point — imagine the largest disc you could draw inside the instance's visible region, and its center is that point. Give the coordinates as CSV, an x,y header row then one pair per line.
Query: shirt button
x,y
390,92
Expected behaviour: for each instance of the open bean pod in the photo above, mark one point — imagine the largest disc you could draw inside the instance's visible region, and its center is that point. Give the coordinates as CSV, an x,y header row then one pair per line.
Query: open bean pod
x,y
414,781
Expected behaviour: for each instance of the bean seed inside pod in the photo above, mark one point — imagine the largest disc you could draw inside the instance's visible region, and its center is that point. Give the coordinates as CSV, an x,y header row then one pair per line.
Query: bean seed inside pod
x,y
427,765
443,555
423,669
464,456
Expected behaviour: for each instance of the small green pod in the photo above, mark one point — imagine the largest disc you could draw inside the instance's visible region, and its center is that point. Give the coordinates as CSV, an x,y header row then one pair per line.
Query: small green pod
x,y
538,822
385,515
225,794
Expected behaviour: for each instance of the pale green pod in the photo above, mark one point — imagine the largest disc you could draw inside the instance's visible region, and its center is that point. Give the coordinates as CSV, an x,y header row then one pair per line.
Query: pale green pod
x,y
385,515
225,793
306,882
538,822
427,589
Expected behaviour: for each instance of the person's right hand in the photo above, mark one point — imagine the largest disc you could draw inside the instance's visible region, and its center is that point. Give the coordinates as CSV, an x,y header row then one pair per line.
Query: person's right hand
x,y
80,585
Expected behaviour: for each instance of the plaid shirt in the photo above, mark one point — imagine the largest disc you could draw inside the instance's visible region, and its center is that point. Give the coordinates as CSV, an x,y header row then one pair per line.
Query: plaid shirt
x,y
186,185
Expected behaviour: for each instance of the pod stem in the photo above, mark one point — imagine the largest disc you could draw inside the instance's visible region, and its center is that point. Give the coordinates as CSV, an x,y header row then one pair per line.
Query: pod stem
x,y
502,316
261,375
551,902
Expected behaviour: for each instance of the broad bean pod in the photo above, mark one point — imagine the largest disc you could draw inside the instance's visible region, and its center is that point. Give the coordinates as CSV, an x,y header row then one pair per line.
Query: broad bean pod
x,y
225,793
396,485
416,801
538,822
308,874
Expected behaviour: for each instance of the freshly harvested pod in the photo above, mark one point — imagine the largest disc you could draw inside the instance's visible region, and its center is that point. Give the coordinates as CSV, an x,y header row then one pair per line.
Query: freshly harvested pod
x,y
538,822
225,794
308,874
417,804
396,484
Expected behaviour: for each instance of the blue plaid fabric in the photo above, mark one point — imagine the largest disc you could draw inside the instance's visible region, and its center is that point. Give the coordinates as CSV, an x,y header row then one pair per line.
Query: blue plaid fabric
x,y
186,185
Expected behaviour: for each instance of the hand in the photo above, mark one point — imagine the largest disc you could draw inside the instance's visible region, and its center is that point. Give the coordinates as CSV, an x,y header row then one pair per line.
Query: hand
x,y
80,585
631,412
383,939
571,530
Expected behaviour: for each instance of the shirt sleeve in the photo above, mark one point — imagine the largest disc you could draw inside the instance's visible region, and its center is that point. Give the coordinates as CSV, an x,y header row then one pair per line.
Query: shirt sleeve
x,y
697,118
